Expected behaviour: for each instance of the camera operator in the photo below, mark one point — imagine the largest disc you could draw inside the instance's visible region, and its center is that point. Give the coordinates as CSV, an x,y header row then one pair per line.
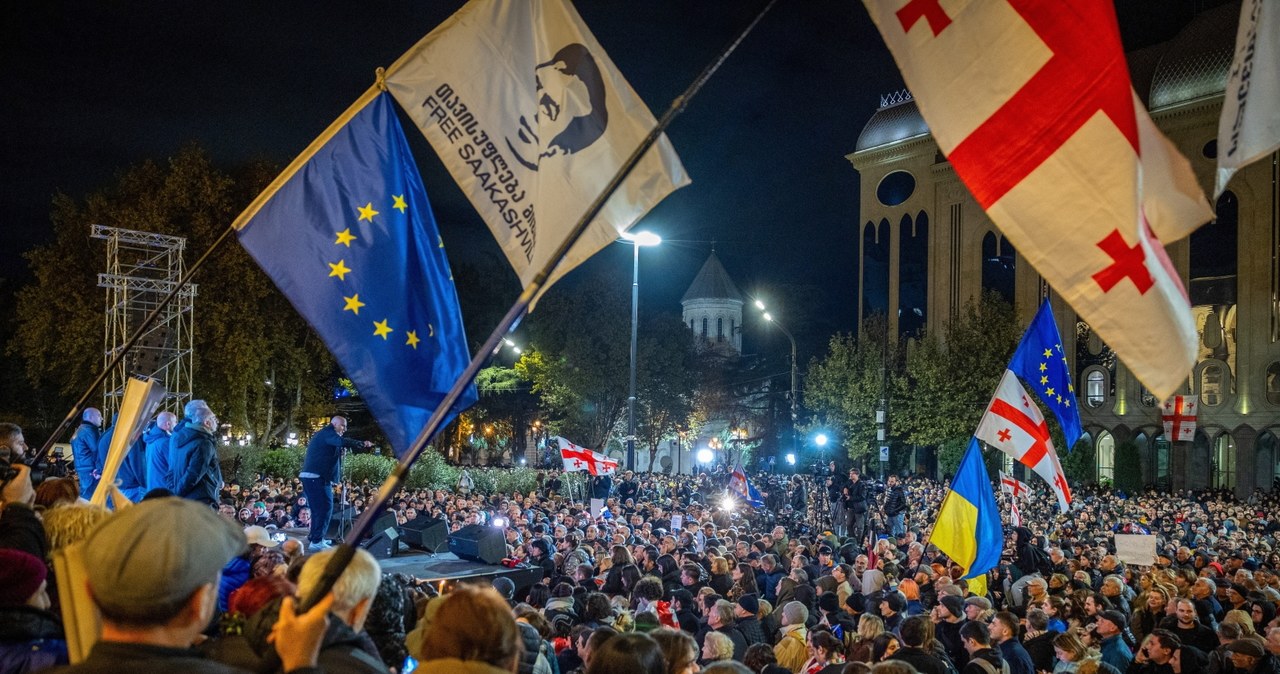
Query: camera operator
x,y
855,497
835,499
20,529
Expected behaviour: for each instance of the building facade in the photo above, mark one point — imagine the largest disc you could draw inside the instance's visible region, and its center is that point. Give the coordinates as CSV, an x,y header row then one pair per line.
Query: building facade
x,y
927,248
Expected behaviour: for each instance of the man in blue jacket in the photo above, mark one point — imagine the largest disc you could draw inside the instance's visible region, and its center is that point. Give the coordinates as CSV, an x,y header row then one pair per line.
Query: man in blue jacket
x,y
320,472
193,455
84,450
157,439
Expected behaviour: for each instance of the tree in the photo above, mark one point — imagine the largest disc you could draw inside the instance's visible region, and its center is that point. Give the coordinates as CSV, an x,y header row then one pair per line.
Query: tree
x,y
845,386
665,380
246,332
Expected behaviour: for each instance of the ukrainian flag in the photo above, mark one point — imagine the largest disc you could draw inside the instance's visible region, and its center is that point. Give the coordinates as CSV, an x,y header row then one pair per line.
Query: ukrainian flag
x,y
968,527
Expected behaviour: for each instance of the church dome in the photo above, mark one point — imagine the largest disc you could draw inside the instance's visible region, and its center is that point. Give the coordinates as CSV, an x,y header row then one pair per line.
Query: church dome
x,y
890,124
1196,61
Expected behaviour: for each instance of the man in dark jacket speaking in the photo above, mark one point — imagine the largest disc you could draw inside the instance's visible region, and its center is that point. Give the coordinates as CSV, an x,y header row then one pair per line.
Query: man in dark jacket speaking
x,y
193,455
320,472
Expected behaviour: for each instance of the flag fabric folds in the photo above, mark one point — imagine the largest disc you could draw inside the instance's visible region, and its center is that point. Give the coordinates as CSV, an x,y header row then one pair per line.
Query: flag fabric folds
x,y
577,458
1178,415
741,487
968,526
1042,364
350,239
533,119
1013,486
1032,104
1249,128
1013,424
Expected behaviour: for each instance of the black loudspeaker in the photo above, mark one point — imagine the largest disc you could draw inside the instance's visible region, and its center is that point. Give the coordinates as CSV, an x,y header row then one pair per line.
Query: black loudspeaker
x,y
425,533
340,522
479,543
385,538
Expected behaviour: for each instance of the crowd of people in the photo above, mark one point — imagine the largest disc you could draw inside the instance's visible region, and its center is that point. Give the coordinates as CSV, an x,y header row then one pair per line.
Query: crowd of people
x,y
663,574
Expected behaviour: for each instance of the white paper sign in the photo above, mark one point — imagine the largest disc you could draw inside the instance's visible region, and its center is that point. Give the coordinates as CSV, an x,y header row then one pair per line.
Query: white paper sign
x,y
677,523
597,505
1136,549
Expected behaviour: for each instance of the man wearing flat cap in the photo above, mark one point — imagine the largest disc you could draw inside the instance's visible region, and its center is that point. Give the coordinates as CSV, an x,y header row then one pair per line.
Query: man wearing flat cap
x,y
1248,656
153,573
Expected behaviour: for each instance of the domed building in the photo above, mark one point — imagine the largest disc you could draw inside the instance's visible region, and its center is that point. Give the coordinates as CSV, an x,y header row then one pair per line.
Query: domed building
x,y
712,307
921,276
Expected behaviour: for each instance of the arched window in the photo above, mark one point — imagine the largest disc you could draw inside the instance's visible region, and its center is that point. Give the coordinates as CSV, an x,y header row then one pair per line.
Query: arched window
x,y
1162,462
875,269
704,327
1224,462
719,328
1095,389
1273,383
1211,384
913,274
998,265
1105,457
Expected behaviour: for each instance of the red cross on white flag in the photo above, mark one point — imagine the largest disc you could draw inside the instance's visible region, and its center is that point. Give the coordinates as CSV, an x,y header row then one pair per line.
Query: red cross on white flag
x,y
1012,485
1032,104
1021,432
1179,417
577,458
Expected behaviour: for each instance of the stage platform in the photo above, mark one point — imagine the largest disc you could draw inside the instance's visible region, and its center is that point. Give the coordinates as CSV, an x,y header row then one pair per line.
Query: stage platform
x,y
444,569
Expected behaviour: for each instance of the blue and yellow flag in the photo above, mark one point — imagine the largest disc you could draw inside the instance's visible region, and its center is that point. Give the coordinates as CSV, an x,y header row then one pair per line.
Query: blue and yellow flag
x,y
968,527
348,236
1042,364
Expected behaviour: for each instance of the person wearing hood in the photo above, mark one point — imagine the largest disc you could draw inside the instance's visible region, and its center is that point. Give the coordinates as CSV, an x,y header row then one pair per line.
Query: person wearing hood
x,y
1029,561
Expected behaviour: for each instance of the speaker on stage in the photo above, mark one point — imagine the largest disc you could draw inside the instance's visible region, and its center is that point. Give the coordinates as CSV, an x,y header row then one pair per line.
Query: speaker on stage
x,y
425,533
340,522
479,543
384,540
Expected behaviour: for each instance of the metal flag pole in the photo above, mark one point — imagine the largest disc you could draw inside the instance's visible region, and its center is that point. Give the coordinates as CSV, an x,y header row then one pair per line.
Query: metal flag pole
x,y
344,553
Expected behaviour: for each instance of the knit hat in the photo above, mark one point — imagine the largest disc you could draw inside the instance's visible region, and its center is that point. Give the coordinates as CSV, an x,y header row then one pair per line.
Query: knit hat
x,y
750,603
505,587
829,602
21,574
953,604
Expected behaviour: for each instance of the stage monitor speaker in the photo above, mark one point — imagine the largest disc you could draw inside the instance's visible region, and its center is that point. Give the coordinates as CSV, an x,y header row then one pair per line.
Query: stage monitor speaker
x,y
385,538
425,533
340,522
479,543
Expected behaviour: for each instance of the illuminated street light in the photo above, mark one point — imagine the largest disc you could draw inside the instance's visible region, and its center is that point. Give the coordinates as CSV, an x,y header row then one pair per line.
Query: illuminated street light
x,y
820,439
794,416
791,459
636,240
705,455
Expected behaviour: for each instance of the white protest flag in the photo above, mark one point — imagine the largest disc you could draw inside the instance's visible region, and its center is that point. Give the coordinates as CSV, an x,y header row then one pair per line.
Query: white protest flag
x,y
1014,425
533,119
142,398
1032,104
1249,128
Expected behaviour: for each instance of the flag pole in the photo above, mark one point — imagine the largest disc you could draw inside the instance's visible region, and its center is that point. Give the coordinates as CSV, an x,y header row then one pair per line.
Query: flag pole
x,y
344,553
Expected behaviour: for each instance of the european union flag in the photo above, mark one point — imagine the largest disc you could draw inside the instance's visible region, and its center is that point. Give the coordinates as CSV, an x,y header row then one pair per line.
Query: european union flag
x,y
350,239
968,526
1041,363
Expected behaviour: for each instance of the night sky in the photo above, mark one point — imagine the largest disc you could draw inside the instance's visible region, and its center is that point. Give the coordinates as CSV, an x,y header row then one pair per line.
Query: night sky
x,y
92,88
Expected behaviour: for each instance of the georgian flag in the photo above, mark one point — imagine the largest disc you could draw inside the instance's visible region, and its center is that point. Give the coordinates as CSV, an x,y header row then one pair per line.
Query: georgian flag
x,y
1179,417
1013,424
1032,104
1012,485
577,458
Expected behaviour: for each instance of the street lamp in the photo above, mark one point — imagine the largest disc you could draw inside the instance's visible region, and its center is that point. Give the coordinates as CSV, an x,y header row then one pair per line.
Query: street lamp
x,y
638,239
769,317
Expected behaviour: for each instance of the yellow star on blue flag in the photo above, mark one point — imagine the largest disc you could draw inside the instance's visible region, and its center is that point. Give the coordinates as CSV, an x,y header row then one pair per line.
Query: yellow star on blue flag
x,y
363,184
1040,358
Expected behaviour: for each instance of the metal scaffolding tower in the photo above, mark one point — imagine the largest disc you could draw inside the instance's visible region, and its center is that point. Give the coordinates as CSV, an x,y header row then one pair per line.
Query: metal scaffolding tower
x,y
142,268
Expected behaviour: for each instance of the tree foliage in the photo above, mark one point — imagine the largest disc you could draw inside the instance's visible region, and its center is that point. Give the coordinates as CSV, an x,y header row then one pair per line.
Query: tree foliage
x,y
246,333
938,385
